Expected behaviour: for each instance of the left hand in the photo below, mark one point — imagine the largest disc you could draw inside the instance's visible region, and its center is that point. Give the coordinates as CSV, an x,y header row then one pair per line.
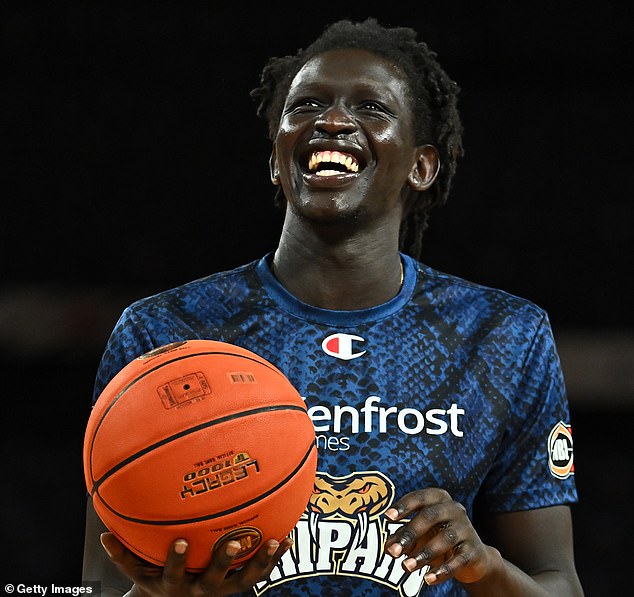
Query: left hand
x,y
440,535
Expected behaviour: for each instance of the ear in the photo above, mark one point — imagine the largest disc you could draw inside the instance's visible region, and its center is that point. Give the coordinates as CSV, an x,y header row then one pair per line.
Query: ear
x,y
424,171
273,169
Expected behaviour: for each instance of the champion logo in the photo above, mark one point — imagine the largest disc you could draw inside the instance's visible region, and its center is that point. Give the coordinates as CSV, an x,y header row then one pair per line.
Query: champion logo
x,y
342,346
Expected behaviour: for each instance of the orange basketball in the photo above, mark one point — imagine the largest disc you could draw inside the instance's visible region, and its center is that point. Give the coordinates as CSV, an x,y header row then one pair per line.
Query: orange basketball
x,y
203,441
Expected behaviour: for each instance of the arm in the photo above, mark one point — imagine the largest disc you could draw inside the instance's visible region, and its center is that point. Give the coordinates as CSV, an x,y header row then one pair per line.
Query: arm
x,y
533,556
539,545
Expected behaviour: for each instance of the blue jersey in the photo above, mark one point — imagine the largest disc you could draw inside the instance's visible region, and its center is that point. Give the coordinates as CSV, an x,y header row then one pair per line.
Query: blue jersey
x,y
450,384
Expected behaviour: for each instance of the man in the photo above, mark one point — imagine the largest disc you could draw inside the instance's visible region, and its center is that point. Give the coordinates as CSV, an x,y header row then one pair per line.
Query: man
x,y
436,402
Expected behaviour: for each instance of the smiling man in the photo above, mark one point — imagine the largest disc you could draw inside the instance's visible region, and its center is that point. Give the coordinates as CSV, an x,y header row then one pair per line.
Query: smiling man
x,y
438,403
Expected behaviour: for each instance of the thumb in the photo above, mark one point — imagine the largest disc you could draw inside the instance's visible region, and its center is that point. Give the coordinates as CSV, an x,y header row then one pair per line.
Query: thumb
x,y
112,546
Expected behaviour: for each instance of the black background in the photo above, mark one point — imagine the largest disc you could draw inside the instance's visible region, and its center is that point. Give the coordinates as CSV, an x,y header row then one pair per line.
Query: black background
x,y
132,161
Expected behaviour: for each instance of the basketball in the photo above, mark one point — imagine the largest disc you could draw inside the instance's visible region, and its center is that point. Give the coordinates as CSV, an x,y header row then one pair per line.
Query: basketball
x,y
199,440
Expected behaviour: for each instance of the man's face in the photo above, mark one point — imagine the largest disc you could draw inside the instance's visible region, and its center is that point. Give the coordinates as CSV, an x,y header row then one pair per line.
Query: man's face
x,y
345,145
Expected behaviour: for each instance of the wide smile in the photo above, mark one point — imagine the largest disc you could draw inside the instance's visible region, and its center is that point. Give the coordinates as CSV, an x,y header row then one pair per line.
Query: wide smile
x,y
332,163
328,168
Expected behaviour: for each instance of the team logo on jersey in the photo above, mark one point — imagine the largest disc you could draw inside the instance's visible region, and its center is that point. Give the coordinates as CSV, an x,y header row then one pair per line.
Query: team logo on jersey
x,y
342,346
343,532
360,496
560,452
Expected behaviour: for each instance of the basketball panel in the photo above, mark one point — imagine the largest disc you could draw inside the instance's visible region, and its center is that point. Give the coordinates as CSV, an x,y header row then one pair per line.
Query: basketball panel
x,y
211,470
274,517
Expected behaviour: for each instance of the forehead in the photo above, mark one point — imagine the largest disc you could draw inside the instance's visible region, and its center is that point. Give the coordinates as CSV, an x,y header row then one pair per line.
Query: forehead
x,y
350,67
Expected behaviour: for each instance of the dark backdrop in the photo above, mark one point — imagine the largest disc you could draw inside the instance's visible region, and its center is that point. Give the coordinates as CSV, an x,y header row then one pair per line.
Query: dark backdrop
x,y
132,161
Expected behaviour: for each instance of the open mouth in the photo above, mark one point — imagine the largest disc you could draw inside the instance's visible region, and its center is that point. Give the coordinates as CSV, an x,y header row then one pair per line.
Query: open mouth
x,y
332,163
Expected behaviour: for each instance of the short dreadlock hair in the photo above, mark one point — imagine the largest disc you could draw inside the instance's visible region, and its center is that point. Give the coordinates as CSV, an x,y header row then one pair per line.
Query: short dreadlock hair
x,y
434,97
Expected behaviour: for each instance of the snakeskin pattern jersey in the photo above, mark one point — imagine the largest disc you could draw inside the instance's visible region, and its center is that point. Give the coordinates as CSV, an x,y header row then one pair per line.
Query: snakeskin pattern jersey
x,y
449,384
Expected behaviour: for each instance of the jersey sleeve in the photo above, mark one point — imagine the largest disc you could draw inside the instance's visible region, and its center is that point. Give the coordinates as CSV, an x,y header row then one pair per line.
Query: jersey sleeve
x,y
128,340
530,471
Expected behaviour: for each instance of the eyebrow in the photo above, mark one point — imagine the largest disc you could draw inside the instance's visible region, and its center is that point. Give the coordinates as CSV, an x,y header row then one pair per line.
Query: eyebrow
x,y
382,92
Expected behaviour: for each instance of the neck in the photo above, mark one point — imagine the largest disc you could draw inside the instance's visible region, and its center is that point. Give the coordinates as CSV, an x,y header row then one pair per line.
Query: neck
x,y
342,272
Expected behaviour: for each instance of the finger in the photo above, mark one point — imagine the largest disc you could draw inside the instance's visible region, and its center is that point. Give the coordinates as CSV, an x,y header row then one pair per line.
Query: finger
x,y
260,566
219,566
112,546
266,558
424,525
469,562
174,569
437,549
130,564
415,501
450,567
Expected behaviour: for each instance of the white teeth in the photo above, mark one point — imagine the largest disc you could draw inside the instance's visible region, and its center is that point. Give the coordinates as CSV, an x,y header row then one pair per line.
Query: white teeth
x,y
333,157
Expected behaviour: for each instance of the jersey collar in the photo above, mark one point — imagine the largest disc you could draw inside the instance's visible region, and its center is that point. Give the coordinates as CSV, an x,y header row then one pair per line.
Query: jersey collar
x,y
288,302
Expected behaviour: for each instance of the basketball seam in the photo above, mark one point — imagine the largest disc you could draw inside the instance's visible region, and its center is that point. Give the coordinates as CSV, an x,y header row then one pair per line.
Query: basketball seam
x,y
217,514
157,367
166,440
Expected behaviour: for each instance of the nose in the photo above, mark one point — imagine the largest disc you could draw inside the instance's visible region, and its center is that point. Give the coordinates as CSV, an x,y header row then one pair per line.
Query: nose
x,y
335,120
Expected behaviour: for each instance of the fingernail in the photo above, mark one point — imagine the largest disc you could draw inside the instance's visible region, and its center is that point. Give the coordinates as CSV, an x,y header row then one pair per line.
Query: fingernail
x,y
392,513
272,548
410,564
180,546
430,578
104,545
396,549
232,548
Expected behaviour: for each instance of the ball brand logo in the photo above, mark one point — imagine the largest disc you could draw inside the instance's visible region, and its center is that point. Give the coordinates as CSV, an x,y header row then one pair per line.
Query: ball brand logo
x,y
341,346
560,452
217,473
249,539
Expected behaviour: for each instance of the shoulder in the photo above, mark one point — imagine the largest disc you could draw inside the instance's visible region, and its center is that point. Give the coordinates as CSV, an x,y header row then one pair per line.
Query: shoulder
x,y
463,298
492,319
210,293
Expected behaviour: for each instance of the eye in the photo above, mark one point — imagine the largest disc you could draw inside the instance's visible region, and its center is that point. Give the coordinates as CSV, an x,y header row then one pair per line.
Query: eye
x,y
366,488
375,106
305,104
371,105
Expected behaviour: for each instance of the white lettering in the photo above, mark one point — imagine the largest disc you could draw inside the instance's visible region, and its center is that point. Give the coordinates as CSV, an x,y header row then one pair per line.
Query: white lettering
x,y
354,418
369,408
383,416
324,416
420,421
37,589
332,443
336,551
561,450
433,417
362,558
408,420
332,536
453,412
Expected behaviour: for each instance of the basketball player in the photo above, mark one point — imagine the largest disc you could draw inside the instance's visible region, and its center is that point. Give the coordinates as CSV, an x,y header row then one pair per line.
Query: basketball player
x,y
445,454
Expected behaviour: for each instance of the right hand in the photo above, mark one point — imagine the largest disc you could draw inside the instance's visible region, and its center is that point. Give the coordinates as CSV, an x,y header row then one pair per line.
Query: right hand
x,y
174,581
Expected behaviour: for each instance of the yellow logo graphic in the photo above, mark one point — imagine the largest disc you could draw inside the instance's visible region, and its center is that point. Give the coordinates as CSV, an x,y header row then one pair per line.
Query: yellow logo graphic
x,y
361,495
347,496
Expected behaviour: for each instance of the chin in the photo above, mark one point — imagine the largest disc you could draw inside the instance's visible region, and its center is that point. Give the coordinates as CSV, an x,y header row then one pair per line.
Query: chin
x,y
330,210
